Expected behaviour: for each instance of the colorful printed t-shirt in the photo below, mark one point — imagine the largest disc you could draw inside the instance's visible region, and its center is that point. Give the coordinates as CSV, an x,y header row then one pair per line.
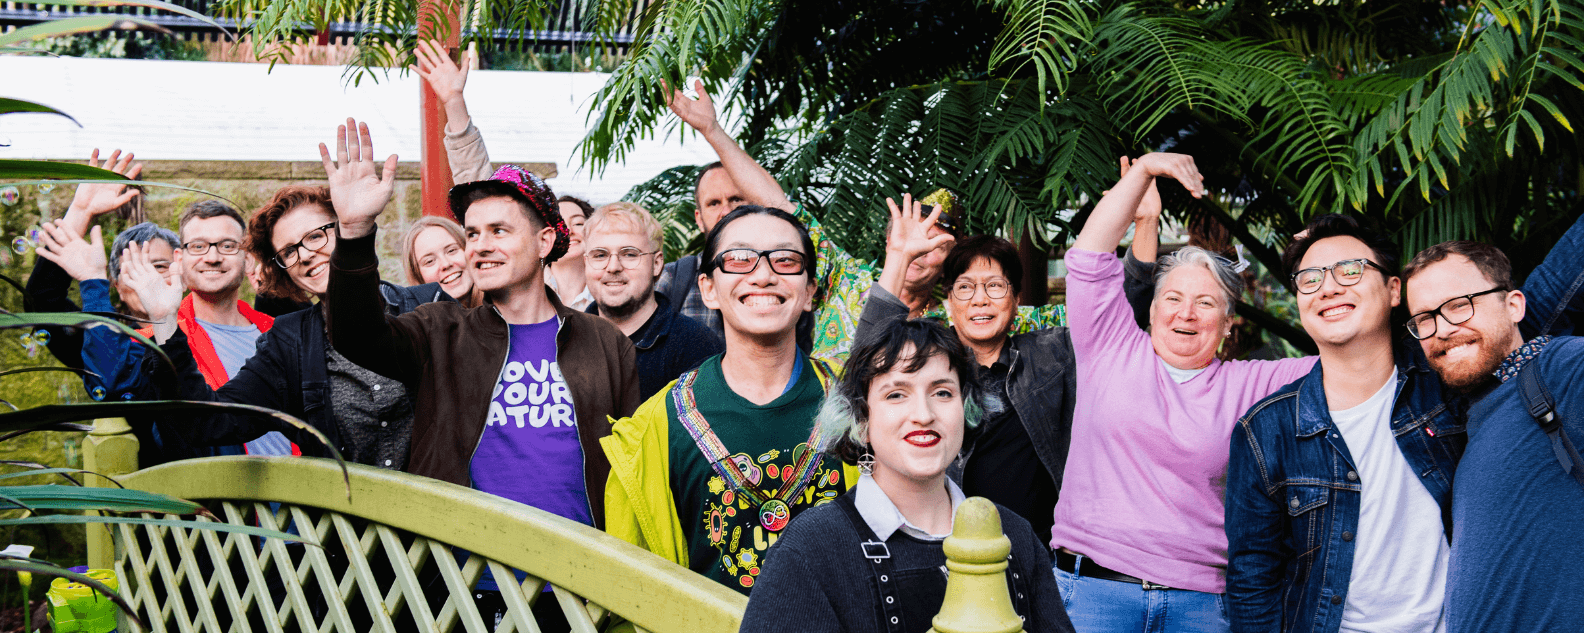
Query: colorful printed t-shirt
x,y
725,535
529,451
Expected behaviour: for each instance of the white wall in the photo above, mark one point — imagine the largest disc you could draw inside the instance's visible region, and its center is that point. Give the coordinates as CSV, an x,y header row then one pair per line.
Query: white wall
x,y
167,110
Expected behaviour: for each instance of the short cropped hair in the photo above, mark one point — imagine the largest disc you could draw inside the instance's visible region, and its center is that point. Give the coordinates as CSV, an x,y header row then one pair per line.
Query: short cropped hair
x,y
273,280
1490,261
843,419
414,276
974,247
1330,225
699,178
1230,283
139,234
205,209
624,216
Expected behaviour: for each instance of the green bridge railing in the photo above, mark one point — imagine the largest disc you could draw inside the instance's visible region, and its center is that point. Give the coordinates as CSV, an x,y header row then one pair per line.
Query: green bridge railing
x,y
392,557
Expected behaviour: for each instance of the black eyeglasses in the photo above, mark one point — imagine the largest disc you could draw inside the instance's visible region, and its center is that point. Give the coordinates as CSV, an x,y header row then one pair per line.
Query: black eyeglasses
x,y
1456,310
741,261
313,241
995,289
629,257
1346,273
197,248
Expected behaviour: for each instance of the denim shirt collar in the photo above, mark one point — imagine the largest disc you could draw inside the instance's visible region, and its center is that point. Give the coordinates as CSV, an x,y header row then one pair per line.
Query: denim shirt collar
x,y
1314,412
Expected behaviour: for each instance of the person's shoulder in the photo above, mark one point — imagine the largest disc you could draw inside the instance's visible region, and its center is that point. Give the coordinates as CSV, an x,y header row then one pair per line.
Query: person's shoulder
x,y
817,528
1278,405
691,328
585,324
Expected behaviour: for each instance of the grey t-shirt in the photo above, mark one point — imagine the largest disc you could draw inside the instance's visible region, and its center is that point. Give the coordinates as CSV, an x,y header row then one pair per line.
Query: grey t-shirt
x,y
234,344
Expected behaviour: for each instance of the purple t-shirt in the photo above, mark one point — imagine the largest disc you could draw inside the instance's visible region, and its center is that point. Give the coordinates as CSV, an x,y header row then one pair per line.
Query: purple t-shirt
x,y
1146,472
529,451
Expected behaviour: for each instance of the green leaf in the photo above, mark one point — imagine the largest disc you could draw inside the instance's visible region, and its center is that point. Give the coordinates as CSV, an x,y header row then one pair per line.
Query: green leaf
x,y
72,370
84,499
57,413
39,170
10,106
79,519
77,320
40,469
73,26
152,4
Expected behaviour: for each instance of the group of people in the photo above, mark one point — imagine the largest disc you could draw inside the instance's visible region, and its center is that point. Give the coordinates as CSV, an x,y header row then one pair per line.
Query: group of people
x,y
800,425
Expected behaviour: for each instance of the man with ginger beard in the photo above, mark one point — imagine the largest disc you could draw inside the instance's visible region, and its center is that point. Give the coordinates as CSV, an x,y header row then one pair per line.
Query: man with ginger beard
x,y
1518,500
623,262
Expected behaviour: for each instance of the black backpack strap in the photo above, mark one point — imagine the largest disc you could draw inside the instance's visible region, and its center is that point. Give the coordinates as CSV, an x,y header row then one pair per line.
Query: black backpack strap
x,y
1543,408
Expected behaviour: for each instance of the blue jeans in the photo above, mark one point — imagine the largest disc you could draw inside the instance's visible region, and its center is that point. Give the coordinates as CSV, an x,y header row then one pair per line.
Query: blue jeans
x,y
1108,606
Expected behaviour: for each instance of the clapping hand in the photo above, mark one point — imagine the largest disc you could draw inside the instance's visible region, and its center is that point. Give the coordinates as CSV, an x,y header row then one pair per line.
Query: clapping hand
x,y
82,259
357,190
160,294
699,114
909,234
94,200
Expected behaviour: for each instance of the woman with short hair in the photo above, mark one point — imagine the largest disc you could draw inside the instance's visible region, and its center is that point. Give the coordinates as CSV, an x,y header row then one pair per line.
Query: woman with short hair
x,y
872,560
1139,528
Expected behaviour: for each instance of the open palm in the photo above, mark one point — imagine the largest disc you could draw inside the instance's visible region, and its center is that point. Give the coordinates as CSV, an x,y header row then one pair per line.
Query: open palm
x,y
358,190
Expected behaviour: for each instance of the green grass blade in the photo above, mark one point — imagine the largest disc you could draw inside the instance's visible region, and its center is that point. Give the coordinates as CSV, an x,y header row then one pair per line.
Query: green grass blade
x,y
73,26
152,4
77,320
83,499
11,106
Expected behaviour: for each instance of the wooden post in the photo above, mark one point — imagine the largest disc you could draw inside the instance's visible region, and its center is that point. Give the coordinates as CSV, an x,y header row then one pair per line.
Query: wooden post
x,y
1036,287
977,600
437,19
111,450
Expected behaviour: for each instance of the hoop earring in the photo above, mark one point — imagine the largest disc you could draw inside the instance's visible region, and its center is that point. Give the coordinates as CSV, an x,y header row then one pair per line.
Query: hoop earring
x,y
866,462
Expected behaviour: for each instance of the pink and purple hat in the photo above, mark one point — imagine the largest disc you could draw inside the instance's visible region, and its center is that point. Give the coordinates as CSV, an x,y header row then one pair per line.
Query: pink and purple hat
x,y
523,186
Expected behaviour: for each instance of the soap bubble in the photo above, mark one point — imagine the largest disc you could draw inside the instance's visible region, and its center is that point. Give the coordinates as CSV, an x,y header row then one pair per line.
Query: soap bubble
x,y
42,336
98,393
126,396
21,245
10,196
46,188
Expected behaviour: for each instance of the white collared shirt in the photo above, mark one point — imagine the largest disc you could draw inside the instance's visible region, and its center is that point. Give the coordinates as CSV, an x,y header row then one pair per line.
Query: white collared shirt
x,y
579,303
883,517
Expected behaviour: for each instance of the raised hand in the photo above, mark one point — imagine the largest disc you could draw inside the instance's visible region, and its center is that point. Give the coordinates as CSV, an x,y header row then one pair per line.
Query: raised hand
x,y
445,77
1149,208
1180,167
94,200
909,234
161,295
357,189
700,114
83,260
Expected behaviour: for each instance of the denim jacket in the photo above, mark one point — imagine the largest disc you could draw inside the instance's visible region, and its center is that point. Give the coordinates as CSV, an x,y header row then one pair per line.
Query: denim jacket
x,y
1292,496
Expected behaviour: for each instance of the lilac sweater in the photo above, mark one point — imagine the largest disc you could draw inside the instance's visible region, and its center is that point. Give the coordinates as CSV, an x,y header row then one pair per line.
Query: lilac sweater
x,y
1146,475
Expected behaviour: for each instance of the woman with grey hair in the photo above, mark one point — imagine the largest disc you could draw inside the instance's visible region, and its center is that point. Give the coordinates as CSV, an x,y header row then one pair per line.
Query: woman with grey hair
x,y
872,560
1138,532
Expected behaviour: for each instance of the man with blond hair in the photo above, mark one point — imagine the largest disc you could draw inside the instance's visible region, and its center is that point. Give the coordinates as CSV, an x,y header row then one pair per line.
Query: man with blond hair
x,y
622,252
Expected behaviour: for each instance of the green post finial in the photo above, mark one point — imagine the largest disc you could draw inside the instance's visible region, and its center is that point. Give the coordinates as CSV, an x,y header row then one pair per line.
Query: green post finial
x,y
111,449
977,600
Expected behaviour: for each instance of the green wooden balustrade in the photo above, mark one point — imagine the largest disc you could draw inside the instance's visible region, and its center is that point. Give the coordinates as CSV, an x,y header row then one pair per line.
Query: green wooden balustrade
x,y
387,558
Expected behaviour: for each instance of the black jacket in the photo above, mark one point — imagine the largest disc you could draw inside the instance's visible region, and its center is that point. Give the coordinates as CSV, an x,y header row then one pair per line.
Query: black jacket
x,y
286,373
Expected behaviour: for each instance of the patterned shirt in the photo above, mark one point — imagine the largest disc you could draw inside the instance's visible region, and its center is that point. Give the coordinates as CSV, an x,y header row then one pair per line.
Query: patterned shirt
x,y
1515,361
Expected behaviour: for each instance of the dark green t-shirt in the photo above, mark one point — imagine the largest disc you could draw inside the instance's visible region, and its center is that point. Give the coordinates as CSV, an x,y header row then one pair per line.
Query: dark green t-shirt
x,y
726,538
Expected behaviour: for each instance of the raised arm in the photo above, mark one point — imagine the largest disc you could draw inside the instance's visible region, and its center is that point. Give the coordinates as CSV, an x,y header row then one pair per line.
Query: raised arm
x,y
465,150
1111,217
907,240
93,200
756,184
1554,291
353,305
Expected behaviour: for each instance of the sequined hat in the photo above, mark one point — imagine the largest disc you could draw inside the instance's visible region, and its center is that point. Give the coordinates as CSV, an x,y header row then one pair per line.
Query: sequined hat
x,y
521,185
950,209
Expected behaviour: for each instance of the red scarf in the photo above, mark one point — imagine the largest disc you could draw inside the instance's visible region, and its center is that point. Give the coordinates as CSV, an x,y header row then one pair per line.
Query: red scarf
x,y
203,350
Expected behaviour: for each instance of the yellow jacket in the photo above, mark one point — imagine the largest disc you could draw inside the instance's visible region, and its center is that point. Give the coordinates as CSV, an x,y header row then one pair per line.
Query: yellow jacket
x,y
639,507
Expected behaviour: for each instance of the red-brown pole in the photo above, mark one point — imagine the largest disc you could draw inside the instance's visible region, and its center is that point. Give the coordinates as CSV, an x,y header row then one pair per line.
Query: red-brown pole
x,y
435,19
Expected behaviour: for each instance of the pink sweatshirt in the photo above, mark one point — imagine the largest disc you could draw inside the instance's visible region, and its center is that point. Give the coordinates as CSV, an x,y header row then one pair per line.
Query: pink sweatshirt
x,y
1146,474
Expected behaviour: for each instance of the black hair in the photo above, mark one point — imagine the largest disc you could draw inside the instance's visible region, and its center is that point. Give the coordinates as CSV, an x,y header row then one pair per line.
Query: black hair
x,y
588,209
846,411
1337,225
712,241
972,248
205,209
699,178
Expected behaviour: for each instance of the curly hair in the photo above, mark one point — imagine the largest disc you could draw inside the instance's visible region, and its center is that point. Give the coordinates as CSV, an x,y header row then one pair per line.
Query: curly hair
x,y
273,280
904,345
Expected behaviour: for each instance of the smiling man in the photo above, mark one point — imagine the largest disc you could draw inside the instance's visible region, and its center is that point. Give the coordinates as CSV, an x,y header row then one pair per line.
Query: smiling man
x,y
623,260
1518,505
1338,485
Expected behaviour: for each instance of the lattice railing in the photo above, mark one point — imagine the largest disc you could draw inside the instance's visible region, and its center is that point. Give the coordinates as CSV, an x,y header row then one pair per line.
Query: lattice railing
x,y
393,558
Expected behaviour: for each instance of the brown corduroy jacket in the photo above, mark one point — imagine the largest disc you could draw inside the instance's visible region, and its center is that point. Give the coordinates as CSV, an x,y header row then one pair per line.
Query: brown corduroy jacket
x,y
450,358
